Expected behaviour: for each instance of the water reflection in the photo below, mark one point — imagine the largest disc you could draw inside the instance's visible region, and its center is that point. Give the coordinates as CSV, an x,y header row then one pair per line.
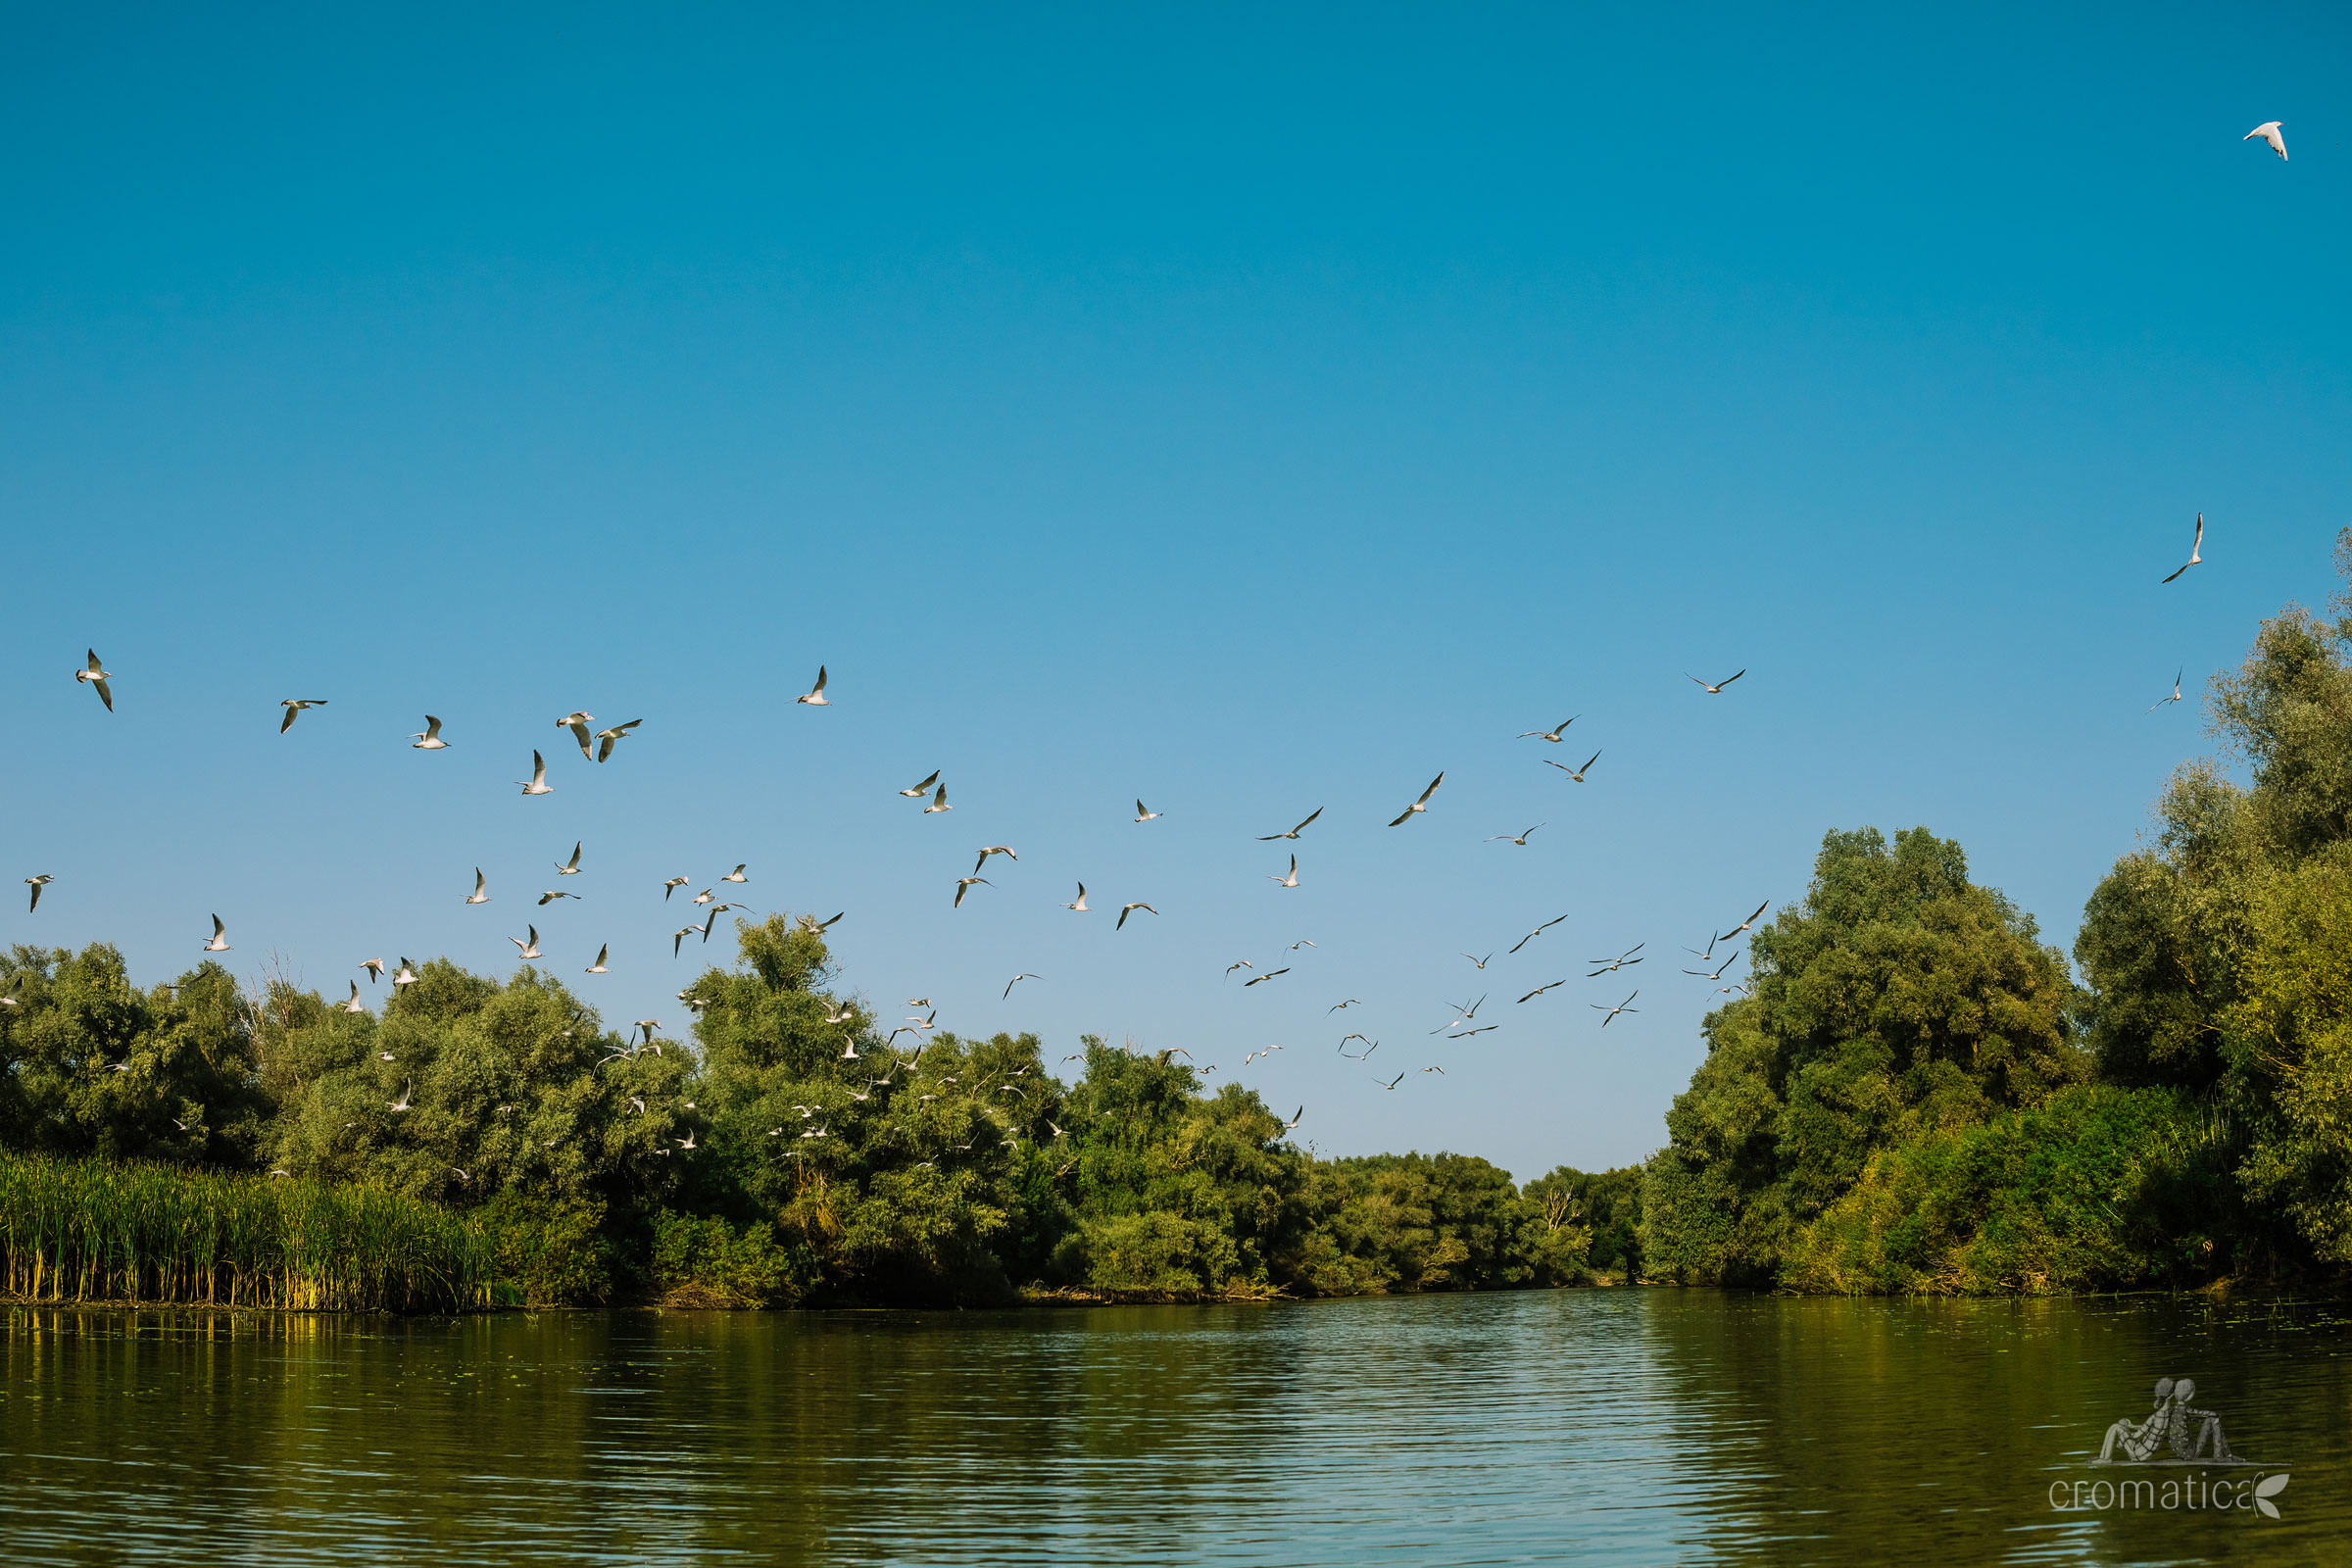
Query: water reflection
x,y
1603,1426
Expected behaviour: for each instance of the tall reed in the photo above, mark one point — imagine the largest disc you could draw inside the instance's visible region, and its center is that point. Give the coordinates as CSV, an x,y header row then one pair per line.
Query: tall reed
x,y
96,1231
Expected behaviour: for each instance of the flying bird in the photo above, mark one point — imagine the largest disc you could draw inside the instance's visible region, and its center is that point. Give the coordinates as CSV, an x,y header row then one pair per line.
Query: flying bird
x,y
428,739
96,675
2268,131
1576,773
964,884
1744,924
577,723
1623,1007
737,875
478,896
1143,815
677,938
1079,903
1005,850
2176,696
1521,840
402,1103
406,974
1716,689
538,784
1292,834
1016,980
1239,963
1290,881
354,1004
1349,1002
607,739
374,968
1130,909
1717,972
530,948
672,886
939,802
1480,963
1539,990
1268,976
571,868
922,789
1421,805
598,967
1552,735
816,695
294,706
1608,965
546,899
36,883
1537,932
2196,546
1391,1083
219,942
1301,943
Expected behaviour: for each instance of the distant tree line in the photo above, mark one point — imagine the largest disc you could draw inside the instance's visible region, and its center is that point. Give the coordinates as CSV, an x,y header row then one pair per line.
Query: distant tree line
x,y
787,1156
1918,1097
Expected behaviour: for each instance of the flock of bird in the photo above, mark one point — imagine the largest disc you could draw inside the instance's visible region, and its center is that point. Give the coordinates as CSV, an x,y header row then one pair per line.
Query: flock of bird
x,y
597,746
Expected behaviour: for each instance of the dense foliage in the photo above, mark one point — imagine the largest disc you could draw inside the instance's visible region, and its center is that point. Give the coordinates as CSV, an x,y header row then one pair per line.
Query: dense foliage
x,y
788,1152
1918,1098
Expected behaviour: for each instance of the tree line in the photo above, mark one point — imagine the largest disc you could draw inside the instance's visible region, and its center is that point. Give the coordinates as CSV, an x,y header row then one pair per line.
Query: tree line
x,y
1918,1095
764,1164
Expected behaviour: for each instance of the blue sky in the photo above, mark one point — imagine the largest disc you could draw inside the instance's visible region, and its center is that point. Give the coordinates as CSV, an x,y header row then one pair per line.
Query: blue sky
x,y
1253,412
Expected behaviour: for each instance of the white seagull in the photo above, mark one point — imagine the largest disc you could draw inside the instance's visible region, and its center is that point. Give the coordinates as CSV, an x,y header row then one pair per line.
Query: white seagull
x,y
2176,696
737,875
816,694
2197,548
428,739
219,942
354,1004
2268,131
598,967
1143,815
538,784
1715,690
294,706
1130,909
405,975
1290,881
36,883
1016,980
577,723
1552,735
571,868
672,886
607,739
1623,1007
1506,838
964,884
530,948
1419,806
374,968
922,789
96,675
1079,905
939,802
478,896
1293,833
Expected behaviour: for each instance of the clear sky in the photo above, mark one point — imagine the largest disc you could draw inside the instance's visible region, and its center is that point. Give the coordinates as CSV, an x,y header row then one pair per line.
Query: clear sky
x,y
1253,409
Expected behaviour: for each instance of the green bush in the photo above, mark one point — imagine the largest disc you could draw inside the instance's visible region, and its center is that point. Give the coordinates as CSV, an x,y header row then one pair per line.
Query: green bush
x,y
2100,1188
700,1261
551,1250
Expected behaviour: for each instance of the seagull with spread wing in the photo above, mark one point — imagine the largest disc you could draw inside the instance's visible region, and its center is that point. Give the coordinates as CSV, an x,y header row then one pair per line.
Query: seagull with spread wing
x,y
294,707
1576,773
95,676
538,784
1537,932
2197,551
1130,909
1421,805
1553,734
1715,690
816,694
1269,838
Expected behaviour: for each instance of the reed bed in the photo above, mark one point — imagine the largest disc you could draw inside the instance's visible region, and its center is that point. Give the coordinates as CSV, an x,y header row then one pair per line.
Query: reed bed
x,y
74,1229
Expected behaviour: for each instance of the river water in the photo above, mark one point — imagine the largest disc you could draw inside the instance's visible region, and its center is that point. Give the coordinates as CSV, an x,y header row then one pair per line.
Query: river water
x,y
1608,1426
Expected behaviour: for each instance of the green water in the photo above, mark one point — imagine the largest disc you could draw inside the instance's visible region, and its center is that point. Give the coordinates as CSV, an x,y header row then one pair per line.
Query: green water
x,y
1568,1426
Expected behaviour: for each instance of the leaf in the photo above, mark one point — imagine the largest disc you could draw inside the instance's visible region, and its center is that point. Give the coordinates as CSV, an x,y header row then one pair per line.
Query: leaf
x,y
2265,1489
